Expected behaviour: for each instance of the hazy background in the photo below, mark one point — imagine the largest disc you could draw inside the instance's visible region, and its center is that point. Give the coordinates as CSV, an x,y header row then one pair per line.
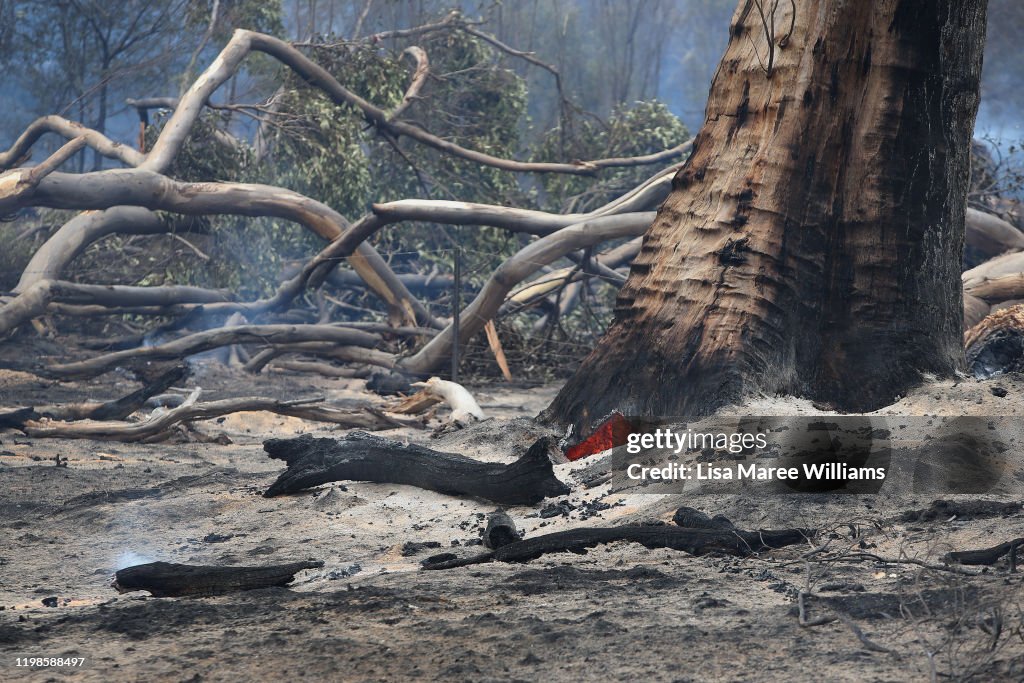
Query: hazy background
x,y
82,58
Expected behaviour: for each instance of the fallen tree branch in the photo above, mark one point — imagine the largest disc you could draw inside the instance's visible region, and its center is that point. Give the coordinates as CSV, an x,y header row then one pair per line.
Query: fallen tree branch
x,y
243,41
112,410
69,130
516,269
211,339
351,354
991,235
987,556
22,182
188,411
50,260
996,344
362,457
695,541
419,77
34,301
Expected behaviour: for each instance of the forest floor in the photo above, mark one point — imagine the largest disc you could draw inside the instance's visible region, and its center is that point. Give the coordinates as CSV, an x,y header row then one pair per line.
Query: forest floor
x,y
72,512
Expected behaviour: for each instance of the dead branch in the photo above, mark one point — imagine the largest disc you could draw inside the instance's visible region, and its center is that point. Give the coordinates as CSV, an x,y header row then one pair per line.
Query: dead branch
x,y
350,354
695,541
996,344
362,457
243,42
117,409
500,531
103,190
34,301
516,269
315,368
211,339
20,182
188,411
50,260
987,556
644,197
419,77
69,130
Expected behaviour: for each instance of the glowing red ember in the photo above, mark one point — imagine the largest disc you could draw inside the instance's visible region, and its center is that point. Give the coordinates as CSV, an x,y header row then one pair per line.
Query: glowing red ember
x,y
612,432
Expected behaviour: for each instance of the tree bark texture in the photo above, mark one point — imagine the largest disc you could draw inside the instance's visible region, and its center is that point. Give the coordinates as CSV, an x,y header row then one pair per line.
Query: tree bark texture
x,y
812,242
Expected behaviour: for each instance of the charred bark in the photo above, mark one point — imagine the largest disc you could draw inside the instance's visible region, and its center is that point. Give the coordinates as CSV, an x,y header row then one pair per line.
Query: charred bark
x,y
812,241
695,541
362,457
987,556
996,344
169,580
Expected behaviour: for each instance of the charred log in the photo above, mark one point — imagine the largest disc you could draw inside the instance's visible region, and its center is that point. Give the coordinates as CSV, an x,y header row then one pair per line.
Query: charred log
x,y
695,541
170,580
987,556
996,344
500,531
362,457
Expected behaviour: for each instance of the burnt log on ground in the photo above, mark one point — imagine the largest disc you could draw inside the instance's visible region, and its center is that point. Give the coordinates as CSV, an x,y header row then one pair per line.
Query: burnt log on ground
x,y
500,531
996,344
363,457
169,580
987,556
695,541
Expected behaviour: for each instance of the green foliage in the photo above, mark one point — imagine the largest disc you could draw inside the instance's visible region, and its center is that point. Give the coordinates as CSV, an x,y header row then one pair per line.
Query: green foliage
x,y
644,128
245,253
321,149
256,15
331,153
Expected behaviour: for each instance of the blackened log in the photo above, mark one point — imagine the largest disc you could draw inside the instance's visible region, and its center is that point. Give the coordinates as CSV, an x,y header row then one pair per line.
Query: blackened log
x,y
168,580
500,531
693,518
987,556
363,457
692,541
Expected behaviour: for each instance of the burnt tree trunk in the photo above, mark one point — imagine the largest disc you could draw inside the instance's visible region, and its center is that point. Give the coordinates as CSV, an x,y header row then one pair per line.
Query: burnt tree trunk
x,y
812,242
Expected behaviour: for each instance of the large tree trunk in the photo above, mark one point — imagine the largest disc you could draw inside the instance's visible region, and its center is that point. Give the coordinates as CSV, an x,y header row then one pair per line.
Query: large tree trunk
x,y
812,241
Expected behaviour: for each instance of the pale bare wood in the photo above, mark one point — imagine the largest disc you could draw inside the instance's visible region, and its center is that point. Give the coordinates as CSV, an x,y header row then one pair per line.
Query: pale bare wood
x,y
188,411
211,339
499,354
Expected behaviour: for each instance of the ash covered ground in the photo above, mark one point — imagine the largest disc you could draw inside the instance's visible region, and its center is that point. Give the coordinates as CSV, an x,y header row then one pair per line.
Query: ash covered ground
x,y
72,512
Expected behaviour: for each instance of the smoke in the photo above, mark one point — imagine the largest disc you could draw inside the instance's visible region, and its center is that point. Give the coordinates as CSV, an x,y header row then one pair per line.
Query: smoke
x,y
129,558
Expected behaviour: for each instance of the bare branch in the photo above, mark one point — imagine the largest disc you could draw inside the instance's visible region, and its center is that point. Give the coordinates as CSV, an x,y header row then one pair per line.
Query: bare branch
x,y
517,268
419,77
211,339
70,130
161,422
